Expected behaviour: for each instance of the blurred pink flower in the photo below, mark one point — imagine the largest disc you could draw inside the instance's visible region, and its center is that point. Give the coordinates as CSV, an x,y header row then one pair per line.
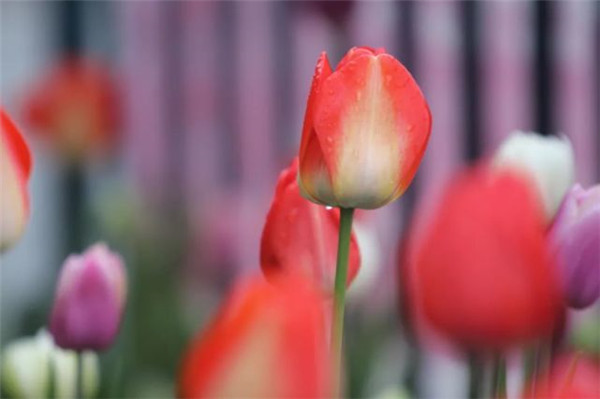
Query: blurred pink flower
x,y
89,301
575,235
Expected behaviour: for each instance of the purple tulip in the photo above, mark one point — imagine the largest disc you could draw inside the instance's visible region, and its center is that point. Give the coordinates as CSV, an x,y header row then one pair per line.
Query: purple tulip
x,y
575,235
89,300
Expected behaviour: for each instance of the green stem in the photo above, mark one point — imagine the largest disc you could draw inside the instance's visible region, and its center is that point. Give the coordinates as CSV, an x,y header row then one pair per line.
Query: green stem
x,y
476,375
79,375
499,375
339,299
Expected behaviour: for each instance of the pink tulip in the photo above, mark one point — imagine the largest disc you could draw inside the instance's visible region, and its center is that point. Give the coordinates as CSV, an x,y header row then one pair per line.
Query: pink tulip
x,y
575,234
89,301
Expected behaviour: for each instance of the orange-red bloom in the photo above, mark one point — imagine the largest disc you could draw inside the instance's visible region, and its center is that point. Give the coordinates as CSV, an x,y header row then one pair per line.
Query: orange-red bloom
x,y
301,237
15,169
365,131
572,376
483,273
267,341
75,106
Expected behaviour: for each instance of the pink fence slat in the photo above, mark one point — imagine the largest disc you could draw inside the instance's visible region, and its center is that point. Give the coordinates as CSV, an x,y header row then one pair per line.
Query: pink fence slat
x,y
506,54
363,32
575,76
256,123
142,42
200,96
438,52
256,87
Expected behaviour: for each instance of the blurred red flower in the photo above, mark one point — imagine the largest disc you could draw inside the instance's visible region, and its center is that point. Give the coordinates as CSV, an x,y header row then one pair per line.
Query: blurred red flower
x,y
365,131
267,341
15,170
572,376
483,275
75,105
302,237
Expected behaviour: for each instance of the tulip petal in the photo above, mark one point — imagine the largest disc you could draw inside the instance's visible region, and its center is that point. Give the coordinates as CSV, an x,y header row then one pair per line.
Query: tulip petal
x,y
17,146
267,341
313,179
356,52
373,123
580,254
15,167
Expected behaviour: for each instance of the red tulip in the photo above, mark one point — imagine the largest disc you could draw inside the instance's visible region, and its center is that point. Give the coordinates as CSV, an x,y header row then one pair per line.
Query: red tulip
x,y
365,131
483,273
301,237
267,341
15,170
572,377
75,106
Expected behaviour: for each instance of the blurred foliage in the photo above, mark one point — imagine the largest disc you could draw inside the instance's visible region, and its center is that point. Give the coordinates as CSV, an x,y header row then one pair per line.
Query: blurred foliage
x,y
586,336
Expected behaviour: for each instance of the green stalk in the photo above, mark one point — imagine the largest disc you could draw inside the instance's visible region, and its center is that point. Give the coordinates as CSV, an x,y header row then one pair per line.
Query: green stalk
x,y
476,375
339,298
79,375
499,375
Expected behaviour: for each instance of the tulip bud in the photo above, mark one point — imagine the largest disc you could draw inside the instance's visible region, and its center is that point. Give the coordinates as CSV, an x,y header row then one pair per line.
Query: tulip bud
x,y
483,274
15,169
268,341
89,300
301,237
75,106
32,366
575,235
547,161
365,131
571,376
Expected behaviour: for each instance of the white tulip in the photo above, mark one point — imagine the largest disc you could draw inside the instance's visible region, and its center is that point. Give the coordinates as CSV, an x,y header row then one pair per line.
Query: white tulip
x,y
28,363
547,160
26,367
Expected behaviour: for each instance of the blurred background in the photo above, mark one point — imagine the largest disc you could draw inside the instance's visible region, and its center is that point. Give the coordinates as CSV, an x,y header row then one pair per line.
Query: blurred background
x,y
206,106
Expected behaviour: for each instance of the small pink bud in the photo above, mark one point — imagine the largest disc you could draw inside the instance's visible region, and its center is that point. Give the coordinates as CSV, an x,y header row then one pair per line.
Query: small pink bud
x,y
89,300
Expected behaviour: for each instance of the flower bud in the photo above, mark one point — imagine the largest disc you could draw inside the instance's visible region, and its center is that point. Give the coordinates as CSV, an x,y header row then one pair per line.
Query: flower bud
x,y
89,300
15,170
365,131
301,237
483,273
268,341
32,366
575,235
547,161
